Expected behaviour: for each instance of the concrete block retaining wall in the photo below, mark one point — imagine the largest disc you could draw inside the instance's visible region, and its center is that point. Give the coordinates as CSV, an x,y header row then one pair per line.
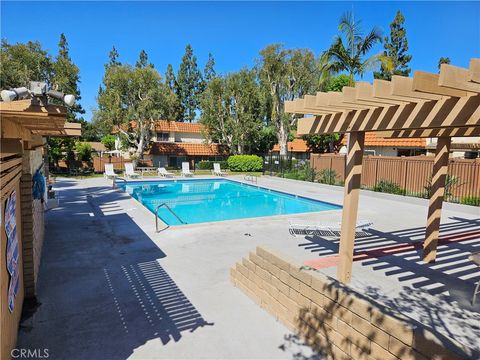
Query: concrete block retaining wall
x,y
332,318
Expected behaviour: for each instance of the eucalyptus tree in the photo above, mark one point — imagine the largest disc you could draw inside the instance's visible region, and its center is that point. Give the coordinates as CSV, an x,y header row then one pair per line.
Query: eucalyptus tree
x,y
349,49
286,74
131,99
23,62
396,47
232,111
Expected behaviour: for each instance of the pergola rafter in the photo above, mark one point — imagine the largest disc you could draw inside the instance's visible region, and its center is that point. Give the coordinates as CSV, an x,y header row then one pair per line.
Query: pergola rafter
x,y
441,105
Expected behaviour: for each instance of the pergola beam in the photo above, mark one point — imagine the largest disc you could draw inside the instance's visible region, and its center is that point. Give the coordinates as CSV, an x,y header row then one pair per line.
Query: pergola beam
x,y
427,105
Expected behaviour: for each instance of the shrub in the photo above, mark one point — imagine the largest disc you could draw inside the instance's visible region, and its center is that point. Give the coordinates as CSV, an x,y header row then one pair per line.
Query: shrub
x,y
389,187
451,182
208,165
84,151
303,172
245,163
470,200
327,176
108,141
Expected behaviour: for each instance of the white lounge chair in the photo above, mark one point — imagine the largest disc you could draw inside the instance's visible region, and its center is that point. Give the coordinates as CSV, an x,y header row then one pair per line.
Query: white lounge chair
x,y
164,173
109,173
186,169
300,228
218,171
129,173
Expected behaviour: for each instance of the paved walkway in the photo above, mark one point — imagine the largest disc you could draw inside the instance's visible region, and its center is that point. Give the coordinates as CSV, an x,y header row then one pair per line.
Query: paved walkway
x,y
112,288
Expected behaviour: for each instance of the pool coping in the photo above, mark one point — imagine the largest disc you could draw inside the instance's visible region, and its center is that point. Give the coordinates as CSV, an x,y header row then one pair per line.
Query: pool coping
x,y
209,223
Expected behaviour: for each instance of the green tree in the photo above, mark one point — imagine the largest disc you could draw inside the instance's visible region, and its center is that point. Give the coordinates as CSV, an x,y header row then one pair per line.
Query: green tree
x,y
131,100
22,63
286,74
170,77
443,60
232,111
66,76
337,83
112,58
396,48
349,49
209,71
143,60
108,141
84,151
188,86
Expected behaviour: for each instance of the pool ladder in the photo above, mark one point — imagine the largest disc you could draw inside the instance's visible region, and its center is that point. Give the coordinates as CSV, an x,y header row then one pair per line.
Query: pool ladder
x,y
250,177
169,209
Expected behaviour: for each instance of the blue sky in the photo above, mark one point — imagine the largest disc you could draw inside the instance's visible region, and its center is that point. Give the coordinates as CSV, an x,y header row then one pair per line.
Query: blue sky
x,y
234,32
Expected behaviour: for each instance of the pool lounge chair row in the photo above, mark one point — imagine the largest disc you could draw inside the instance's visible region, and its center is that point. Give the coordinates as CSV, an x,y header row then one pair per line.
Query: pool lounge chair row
x,y
162,172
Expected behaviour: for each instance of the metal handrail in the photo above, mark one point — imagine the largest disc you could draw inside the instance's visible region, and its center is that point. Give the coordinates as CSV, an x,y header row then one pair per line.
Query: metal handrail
x,y
169,209
118,178
250,177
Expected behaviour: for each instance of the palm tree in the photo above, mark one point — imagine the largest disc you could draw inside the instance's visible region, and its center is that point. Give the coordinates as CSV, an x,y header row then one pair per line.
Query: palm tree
x,y
348,50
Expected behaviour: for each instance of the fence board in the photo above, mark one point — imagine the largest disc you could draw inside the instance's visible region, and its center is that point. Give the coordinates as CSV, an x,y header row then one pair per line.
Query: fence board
x,y
410,173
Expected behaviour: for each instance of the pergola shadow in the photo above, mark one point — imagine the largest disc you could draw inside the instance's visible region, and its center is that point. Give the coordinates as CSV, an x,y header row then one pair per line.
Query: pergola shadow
x,y
398,254
103,290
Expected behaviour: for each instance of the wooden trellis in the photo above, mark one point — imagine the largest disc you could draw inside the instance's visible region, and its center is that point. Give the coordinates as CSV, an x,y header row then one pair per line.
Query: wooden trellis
x,y
441,105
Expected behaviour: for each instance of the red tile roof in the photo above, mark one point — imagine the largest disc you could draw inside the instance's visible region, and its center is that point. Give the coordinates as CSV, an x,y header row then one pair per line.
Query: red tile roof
x,y
371,140
186,149
177,126
297,145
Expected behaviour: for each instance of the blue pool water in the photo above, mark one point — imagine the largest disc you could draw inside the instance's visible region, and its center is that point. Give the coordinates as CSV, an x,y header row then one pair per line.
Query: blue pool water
x,y
198,201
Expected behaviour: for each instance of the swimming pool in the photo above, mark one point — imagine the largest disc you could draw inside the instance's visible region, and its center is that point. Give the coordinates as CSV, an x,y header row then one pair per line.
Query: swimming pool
x,y
198,201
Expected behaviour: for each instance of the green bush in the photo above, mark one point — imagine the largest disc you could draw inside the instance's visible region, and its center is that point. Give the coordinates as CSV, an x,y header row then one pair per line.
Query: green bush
x,y
303,172
327,176
451,182
84,151
470,200
389,187
208,165
245,163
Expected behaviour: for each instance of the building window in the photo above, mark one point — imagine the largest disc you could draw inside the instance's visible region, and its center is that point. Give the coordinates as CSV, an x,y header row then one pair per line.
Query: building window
x,y
162,136
369,152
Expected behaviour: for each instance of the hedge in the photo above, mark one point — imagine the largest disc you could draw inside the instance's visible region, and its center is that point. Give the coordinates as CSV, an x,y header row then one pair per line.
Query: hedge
x,y
245,163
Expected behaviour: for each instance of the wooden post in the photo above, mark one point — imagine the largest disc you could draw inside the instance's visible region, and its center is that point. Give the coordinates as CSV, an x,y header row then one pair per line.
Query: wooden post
x,y
440,168
350,204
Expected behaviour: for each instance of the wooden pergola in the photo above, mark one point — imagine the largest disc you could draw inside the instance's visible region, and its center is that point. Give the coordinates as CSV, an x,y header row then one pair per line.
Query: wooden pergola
x,y
429,105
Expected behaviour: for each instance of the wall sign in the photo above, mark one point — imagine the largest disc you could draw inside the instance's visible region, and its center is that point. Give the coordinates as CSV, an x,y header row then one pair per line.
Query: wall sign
x,y
12,248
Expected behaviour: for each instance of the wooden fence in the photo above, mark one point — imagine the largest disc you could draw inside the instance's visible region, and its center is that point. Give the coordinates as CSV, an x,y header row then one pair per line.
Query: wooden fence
x,y
99,163
412,174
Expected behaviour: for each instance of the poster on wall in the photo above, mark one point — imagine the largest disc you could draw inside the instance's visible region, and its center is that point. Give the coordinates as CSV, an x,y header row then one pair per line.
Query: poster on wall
x,y
12,248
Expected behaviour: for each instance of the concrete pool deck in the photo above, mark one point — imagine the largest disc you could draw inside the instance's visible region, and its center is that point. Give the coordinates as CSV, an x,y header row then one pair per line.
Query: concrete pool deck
x,y
112,288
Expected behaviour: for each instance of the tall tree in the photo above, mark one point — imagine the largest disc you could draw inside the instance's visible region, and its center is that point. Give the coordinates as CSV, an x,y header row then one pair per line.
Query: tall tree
x,y
66,76
143,60
443,60
209,71
131,100
22,63
189,80
396,48
349,50
232,111
170,77
286,74
112,58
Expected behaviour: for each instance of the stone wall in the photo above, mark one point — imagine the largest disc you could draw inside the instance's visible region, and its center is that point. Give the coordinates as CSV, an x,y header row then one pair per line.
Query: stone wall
x,y
33,222
332,318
